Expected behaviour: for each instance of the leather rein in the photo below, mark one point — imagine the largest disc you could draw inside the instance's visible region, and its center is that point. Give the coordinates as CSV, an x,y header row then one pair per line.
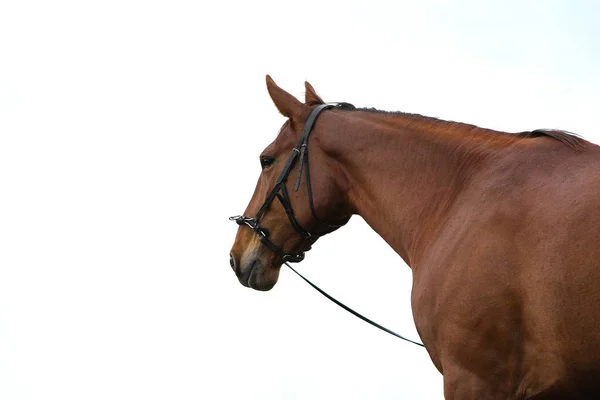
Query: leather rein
x,y
280,192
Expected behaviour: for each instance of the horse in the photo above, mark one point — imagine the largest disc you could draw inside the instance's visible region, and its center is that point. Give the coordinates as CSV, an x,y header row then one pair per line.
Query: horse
x,y
499,229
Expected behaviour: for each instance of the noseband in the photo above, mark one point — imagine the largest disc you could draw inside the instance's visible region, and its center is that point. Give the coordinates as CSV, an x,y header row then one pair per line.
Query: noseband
x,y
280,191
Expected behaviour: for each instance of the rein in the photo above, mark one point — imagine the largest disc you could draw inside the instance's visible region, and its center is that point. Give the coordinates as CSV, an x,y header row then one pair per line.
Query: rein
x,y
351,311
280,192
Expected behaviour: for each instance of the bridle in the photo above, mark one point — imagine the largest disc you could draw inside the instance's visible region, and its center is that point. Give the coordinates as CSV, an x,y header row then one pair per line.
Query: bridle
x,y
281,193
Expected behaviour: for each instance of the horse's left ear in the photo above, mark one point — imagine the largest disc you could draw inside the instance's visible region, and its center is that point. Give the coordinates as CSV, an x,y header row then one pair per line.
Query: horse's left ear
x,y
311,97
287,104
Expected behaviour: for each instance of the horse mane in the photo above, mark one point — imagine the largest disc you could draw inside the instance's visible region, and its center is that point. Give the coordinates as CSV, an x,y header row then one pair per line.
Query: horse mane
x,y
569,139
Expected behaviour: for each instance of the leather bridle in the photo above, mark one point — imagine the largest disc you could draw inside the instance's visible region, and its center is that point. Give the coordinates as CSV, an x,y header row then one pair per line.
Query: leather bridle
x,y
300,152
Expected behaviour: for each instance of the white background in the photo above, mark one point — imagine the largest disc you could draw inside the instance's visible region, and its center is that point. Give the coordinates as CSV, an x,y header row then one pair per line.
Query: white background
x,y
130,131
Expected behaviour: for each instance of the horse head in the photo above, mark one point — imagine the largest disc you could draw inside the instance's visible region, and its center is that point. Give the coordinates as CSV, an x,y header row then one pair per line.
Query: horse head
x,y
300,195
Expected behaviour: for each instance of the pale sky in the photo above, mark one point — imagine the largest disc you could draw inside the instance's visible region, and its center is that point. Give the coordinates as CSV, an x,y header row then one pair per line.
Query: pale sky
x,y
130,131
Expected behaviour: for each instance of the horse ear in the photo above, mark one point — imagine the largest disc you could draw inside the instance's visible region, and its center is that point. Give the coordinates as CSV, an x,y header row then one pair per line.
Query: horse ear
x,y
311,97
287,104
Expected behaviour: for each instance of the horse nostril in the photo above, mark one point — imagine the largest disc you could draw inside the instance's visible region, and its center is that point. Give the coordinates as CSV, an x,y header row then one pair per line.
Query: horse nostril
x,y
232,261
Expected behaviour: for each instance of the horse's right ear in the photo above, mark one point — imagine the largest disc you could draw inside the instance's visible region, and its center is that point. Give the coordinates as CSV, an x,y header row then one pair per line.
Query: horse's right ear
x,y
287,104
311,97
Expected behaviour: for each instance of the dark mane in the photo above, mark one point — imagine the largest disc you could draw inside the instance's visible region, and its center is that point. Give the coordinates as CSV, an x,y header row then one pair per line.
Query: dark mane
x,y
569,139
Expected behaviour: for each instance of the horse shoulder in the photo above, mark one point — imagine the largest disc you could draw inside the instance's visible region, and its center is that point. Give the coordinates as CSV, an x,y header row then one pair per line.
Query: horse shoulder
x,y
492,295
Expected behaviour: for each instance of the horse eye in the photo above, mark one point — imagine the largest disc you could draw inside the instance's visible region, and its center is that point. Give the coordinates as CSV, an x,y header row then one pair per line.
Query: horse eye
x,y
266,162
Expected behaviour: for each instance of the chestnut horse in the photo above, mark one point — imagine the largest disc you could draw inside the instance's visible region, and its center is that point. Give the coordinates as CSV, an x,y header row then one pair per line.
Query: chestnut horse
x,y
500,230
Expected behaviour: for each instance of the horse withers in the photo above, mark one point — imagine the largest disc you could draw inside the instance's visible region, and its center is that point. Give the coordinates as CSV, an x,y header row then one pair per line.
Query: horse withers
x,y
500,231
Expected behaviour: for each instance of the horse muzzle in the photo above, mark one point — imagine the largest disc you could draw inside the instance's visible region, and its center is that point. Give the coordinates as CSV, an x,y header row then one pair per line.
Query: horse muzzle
x,y
253,272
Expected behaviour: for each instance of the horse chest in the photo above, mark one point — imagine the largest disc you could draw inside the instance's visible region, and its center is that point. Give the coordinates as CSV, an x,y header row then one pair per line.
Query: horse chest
x,y
467,307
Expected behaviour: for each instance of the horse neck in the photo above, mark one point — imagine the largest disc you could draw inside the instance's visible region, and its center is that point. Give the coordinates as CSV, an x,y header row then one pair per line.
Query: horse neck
x,y
404,172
